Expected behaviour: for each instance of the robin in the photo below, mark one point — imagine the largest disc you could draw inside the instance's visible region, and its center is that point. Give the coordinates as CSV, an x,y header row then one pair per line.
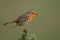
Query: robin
x,y
23,19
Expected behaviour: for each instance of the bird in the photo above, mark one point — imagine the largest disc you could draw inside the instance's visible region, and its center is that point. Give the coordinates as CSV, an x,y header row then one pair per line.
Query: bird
x,y
24,19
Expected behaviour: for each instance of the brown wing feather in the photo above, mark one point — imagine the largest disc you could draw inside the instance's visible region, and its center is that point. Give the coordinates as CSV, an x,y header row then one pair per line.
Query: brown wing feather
x,y
22,19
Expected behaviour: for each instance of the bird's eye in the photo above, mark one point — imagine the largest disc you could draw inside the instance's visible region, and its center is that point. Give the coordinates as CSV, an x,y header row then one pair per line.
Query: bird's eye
x,y
32,13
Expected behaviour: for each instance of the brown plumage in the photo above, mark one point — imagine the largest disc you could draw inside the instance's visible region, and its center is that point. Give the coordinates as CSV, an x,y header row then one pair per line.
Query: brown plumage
x,y
23,19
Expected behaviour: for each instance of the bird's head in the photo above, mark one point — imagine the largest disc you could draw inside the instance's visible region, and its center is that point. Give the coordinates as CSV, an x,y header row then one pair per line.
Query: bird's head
x,y
31,13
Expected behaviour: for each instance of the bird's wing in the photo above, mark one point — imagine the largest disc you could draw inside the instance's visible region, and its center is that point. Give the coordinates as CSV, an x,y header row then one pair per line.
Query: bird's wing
x,y
23,18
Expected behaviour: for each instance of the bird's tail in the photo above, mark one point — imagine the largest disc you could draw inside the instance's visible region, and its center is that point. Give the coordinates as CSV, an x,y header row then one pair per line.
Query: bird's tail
x,y
6,23
9,22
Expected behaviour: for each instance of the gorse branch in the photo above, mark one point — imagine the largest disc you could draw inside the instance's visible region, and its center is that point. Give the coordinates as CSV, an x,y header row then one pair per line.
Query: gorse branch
x,y
27,36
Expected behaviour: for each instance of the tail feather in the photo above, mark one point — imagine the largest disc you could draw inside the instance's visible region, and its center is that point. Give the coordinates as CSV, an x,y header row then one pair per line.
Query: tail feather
x,y
7,23
14,21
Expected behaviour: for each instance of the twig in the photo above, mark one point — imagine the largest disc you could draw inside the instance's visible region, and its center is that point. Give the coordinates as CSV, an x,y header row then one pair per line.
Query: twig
x,y
27,36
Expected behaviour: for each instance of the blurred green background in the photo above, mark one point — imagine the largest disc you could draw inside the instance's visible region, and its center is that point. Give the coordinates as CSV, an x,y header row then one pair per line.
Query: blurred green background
x,y
46,25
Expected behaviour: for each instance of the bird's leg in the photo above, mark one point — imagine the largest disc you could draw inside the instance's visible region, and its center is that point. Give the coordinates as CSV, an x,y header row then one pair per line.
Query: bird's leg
x,y
15,24
21,24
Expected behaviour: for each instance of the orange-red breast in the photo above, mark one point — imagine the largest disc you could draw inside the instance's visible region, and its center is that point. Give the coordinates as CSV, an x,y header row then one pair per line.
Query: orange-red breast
x,y
24,19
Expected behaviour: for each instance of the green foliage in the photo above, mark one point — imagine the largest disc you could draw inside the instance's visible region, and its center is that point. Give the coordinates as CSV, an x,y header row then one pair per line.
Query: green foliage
x,y
27,36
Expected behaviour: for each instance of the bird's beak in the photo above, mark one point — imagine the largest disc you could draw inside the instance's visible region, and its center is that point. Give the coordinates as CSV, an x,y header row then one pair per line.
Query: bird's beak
x,y
36,14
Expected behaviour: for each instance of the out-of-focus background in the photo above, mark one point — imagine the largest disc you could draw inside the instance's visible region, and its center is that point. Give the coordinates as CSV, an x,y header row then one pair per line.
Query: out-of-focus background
x,y
46,26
